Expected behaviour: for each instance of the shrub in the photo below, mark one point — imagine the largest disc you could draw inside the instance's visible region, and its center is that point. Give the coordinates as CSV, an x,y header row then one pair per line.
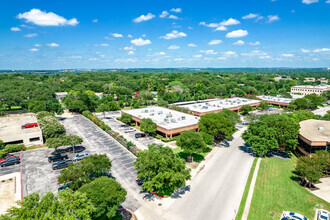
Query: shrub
x,y
105,127
130,144
10,148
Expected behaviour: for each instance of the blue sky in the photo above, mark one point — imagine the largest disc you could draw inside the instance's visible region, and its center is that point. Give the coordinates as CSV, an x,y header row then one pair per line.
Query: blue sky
x,y
126,34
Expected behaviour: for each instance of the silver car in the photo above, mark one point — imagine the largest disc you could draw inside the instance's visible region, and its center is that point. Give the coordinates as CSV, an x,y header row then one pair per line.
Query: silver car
x,y
80,156
323,215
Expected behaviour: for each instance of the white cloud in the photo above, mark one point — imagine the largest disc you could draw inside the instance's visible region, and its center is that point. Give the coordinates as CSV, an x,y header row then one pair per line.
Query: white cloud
x,y
237,33
272,18
173,17
174,34
239,42
255,53
15,29
143,35
127,60
265,57
310,1
34,50
254,43
287,55
178,59
177,10
117,35
328,1
208,52
230,53
130,52
95,20
53,45
147,17
92,59
215,42
221,28
192,45
304,51
31,35
173,47
230,21
42,18
211,25
160,54
163,14
190,28
75,57
130,36
198,56
107,38
37,45
102,45
321,50
129,48
250,16
140,42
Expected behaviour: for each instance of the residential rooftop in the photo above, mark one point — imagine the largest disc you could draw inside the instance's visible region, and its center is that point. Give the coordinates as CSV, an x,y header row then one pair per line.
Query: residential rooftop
x,y
163,117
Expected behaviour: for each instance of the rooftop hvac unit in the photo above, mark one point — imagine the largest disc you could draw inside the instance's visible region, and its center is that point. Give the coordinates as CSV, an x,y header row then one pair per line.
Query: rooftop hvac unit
x,y
152,114
173,120
244,100
166,120
220,102
183,117
205,107
213,105
195,106
200,105
196,117
139,116
152,110
160,112
145,111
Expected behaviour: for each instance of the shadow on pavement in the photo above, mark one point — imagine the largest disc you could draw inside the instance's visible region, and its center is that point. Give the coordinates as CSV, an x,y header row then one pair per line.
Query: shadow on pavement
x,y
181,191
247,149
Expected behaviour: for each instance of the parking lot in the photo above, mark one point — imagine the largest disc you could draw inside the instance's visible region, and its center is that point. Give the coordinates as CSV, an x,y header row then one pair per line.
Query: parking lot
x,y
99,142
116,125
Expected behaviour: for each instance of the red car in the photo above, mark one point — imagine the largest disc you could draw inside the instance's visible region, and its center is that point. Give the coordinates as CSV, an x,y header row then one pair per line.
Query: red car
x,y
29,125
7,156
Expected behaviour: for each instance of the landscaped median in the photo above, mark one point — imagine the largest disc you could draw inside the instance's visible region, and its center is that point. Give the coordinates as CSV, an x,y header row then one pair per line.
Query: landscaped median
x,y
276,191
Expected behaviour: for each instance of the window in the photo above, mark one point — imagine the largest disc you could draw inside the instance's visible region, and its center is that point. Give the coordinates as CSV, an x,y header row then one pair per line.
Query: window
x,y
34,139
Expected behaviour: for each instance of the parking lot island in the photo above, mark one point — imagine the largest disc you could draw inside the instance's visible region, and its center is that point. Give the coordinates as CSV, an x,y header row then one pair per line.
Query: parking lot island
x,y
169,122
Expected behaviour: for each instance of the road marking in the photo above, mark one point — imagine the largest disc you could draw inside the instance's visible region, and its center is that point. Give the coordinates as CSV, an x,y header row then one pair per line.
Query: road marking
x,y
20,154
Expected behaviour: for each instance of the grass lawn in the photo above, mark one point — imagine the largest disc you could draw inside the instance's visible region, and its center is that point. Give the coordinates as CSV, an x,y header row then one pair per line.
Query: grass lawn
x,y
276,192
246,190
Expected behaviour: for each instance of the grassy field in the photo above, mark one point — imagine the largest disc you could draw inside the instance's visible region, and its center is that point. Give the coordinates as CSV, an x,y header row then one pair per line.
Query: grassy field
x,y
198,157
246,190
276,192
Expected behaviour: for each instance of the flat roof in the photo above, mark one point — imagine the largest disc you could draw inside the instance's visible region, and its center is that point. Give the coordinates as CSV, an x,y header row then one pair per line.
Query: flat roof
x,y
315,130
219,104
312,87
10,127
275,99
194,101
163,117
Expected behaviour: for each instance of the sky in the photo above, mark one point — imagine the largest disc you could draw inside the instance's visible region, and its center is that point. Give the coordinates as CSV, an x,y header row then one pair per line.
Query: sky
x,y
72,34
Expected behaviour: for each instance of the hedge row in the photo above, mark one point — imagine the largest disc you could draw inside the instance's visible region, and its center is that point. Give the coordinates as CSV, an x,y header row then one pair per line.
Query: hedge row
x,y
96,120
11,148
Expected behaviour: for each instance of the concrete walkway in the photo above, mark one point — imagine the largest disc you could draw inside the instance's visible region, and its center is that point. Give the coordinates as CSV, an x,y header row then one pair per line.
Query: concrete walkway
x,y
249,198
324,189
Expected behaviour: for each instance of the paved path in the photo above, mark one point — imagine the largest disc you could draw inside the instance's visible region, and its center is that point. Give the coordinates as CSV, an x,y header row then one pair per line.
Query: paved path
x,y
249,198
215,192
321,110
97,141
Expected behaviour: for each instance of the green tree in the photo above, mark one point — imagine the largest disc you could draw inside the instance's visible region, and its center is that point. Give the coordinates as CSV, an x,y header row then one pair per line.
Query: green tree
x,y
161,169
126,118
314,100
217,125
42,114
51,127
246,109
148,126
2,144
191,142
208,139
263,104
308,168
106,194
54,142
85,171
67,205
103,108
162,103
231,115
72,140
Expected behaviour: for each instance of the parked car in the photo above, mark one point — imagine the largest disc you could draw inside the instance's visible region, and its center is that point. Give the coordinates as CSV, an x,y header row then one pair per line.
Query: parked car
x,y
129,130
66,186
60,165
75,149
286,215
7,156
95,175
59,151
10,161
80,156
139,181
139,135
323,214
123,126
57,157
29,125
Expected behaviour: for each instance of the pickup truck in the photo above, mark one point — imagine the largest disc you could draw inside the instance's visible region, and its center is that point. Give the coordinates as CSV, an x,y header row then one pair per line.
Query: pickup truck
x,y
57,157
29,125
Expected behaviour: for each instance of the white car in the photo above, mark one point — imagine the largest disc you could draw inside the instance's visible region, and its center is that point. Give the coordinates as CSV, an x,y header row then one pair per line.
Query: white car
x,y
286,215
80,156
323,215
129,130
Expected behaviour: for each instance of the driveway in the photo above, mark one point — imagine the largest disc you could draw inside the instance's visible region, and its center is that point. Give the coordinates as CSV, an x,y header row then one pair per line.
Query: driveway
x,y
216,191
97,141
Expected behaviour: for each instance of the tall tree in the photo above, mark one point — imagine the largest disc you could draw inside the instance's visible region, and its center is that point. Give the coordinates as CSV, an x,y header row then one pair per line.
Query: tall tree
x,y
161,169
191,142
309,169
106,194
148,126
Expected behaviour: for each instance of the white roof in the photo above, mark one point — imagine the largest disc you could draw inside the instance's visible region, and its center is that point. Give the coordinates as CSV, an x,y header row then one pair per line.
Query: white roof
x,y
163,117
275,99
219,104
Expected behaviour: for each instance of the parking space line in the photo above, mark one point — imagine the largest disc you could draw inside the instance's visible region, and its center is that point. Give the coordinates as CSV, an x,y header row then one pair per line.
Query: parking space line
x,y
107,148
52,168
20,155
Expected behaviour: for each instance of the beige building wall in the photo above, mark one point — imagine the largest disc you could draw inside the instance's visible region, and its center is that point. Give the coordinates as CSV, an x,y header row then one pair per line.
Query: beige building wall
x,y
309,90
